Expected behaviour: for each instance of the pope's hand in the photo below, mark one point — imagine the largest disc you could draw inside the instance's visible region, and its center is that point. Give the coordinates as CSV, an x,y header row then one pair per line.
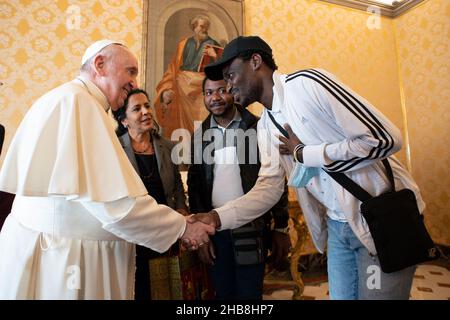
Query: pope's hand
x,y
196,234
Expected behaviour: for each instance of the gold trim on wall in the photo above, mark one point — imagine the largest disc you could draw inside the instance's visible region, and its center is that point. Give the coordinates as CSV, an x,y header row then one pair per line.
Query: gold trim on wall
x,y
402,102
390,11
144,42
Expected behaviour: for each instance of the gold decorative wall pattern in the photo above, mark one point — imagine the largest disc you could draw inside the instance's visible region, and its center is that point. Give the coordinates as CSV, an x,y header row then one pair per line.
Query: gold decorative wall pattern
x,y
40,50
424,55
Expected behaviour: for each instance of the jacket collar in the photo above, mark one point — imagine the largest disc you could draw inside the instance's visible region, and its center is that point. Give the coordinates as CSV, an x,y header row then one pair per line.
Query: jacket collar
x,y
247,119
126,144
278,91
236,118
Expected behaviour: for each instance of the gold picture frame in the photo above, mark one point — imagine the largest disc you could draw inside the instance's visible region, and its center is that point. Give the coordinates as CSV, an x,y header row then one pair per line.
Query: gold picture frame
x,y
165,24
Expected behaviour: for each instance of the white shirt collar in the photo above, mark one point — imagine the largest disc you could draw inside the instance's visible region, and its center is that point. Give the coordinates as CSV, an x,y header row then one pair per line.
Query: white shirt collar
x,y
94,91
236,118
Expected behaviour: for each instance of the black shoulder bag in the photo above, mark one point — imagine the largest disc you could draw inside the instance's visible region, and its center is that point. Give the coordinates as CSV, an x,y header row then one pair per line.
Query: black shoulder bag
x,y
395,223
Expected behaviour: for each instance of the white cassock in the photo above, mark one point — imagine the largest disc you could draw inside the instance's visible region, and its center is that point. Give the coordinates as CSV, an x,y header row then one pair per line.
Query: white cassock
x,y
79,206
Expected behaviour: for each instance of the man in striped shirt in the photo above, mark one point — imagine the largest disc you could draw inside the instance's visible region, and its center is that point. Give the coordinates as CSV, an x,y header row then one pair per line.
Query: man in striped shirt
x,y
341,132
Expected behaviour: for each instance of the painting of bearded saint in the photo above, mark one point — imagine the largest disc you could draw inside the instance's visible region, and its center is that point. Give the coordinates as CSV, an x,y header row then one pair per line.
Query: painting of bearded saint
x,y
179,99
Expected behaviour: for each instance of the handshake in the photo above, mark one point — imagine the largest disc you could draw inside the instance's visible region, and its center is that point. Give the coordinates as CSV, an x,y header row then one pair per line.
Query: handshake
x,y
198,229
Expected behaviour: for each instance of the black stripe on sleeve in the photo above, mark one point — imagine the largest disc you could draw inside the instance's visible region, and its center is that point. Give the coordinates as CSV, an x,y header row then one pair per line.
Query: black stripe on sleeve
x,y
359,110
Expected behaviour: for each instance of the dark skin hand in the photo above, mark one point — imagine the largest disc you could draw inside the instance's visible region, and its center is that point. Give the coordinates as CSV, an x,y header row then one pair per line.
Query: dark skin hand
x,y
196,234
288,144
281,244
211,218
206,253
183,212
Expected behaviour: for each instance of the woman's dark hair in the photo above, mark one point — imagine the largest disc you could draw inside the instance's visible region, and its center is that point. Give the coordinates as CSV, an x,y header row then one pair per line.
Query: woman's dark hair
x,y
120,114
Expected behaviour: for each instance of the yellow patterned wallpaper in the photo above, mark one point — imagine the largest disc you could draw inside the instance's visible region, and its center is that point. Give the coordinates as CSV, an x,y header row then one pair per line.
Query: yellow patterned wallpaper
x,y
423,43
39,52
311,33
41,44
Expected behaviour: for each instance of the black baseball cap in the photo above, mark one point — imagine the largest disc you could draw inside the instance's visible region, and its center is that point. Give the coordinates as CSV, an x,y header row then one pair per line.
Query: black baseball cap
x,y
232,50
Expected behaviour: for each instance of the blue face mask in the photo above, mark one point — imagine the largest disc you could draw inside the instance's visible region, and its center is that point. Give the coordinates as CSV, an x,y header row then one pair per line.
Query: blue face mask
x,y
301,175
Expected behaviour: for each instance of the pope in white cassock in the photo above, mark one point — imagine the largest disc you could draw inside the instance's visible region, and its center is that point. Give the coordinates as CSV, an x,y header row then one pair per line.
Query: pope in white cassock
x,y
80,206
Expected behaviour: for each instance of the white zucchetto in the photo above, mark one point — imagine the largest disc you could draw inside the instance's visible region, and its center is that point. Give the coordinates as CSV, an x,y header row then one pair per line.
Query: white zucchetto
x,y
96,47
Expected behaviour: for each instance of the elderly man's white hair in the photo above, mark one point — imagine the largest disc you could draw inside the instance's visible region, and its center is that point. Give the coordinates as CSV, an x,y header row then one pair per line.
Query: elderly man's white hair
x,y
93,50
194,20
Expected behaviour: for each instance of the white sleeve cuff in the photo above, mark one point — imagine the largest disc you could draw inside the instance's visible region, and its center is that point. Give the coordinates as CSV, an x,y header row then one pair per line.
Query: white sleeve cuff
x,y
314,156
227,215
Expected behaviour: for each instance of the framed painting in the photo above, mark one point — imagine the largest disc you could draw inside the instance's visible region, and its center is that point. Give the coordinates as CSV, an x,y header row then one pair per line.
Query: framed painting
x,y
180,37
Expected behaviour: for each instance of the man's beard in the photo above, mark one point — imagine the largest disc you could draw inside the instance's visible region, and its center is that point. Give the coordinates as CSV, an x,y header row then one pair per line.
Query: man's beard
x,y
202,35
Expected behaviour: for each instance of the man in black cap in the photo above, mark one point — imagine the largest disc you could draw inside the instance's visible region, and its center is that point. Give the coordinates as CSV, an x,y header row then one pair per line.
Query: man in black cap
x,y
332,129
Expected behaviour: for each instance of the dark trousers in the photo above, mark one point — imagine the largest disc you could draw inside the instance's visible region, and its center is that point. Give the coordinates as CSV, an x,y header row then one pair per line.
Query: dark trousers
x,y
229,280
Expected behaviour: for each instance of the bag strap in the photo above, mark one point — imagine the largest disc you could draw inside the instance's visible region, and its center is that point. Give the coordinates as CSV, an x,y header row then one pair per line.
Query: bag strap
x,y
348,184
389,173
279,127
356,190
